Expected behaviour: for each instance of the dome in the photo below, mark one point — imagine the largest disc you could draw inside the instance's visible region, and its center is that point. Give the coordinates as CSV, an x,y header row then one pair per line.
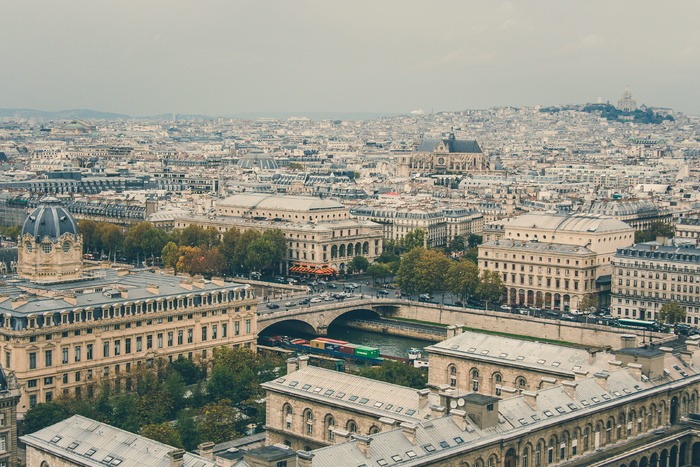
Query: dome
x,y
50,220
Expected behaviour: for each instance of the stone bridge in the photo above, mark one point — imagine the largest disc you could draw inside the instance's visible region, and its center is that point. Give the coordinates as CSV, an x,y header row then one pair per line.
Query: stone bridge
x,y
316,319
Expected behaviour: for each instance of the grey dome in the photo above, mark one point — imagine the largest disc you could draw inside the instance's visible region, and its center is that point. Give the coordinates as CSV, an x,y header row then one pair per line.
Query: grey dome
x,y
49,220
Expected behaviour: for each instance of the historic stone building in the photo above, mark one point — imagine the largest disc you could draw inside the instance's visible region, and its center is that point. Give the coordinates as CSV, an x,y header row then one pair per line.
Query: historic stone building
x,y
648,275
553,260
638,214
321,234
439,156
9,398
634,412
64,330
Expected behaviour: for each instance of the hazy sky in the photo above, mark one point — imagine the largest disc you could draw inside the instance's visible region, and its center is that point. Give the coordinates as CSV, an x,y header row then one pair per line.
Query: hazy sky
x,y
146,57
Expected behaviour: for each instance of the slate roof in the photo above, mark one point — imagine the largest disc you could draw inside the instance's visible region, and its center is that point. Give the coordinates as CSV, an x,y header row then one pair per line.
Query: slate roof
x,y
453,145
49,220
86,442
567,222
274,202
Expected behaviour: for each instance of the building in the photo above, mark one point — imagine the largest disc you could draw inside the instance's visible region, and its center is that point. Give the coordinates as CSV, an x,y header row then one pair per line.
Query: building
x,y
80,441
66,329
9,398
440,226
630,408
554,260
320,233
648,275
638,214
439,156
626,102
688,228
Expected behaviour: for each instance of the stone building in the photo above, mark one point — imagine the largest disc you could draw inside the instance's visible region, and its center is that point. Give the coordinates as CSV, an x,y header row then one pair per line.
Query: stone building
x,y
648,275
440,226
688,228
64,330
553,260
9,398
638,214
438,156
321,234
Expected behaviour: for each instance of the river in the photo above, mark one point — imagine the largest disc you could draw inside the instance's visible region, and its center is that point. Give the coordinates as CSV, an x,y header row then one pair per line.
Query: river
x,y
396,346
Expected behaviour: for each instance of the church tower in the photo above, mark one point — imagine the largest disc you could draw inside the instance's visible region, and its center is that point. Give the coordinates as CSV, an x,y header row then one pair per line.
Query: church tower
x,y
50,248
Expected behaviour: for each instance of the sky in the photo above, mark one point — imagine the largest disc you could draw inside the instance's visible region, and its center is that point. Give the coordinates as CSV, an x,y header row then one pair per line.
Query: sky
x,y
227,57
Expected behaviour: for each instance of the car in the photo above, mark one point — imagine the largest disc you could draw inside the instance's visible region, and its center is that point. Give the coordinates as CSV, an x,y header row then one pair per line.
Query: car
x,y
424,297
331,286
567,317
304,301
682,329
272,306
315,300
506,307
551,313
288,304
383,292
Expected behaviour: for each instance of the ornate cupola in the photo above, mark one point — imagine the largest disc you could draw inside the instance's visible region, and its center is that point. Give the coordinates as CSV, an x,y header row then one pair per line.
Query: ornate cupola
x,y
51,247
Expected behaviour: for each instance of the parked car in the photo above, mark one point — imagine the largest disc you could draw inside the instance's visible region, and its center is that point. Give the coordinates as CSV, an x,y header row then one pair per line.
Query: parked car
x,y
506,308
288,304
272,306
424,297
331,286
383,292
315,300
304,301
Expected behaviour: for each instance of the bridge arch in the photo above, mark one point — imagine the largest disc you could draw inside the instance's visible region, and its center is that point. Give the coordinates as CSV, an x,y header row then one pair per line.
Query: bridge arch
x,y
287,327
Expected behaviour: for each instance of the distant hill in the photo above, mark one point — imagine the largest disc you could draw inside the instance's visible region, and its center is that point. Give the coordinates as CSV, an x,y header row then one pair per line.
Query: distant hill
x,y
62,114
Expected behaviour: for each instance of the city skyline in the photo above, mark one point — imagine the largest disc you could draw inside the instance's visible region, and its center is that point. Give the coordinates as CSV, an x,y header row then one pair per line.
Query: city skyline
x,y
305,57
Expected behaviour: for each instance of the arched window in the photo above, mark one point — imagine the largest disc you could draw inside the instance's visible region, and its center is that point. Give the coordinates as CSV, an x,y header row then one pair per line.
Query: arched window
x,y
287,416
452,375
309,420
525,458
374,430
475,374
520,382
330,426
351,427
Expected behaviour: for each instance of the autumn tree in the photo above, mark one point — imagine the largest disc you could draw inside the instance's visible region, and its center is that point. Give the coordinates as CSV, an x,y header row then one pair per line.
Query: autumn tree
x,y
672,313
217,421
422,271
490,288
87,227
396,372
463,279
163,433
170,255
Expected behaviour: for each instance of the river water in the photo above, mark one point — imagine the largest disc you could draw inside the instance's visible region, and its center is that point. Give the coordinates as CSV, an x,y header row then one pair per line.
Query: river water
x,y
396,346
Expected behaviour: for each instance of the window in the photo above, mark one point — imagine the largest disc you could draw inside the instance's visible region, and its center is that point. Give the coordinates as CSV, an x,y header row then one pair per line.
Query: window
x,y
170,339
149,341
190,334
77,353
32,360
139,344
105,349
88,352
288,416
237,328
309,418
117,347
48,357
127,345
204,333
160,340
3,443
247,326
224,330
330,426
64,355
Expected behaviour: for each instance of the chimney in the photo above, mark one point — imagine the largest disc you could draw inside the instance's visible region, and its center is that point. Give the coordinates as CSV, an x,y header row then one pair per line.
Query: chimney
x,y
437,410
423,397
666,349
305,458
531,399
636,370
153,288
614,365
291,365
580,374
206,450
303,362
692,344
409,431
459,417
363,444
629,341
570,388
340,436
176,457
547,382
602,380
592,356
687,357
454,330
387,423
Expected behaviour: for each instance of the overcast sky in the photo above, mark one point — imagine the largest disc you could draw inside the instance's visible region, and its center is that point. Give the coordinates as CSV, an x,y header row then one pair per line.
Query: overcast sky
x,y
146,57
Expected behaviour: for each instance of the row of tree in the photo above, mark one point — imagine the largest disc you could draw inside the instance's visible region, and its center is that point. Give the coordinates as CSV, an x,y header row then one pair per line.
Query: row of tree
x,y
194,250
172,403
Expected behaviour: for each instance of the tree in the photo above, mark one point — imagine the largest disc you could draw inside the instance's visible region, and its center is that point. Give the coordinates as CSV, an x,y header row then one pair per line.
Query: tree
x,y
87,227
187,428
672,313
422,271
413,239
378,271
474,240
405,275
43,415
163,433
111,238
228,247
655,229
388,256
193,235
358,263
187,369
170,255
133,241
217,421
490,288
153,242
589,301
13,232
463,279
396,372
457,244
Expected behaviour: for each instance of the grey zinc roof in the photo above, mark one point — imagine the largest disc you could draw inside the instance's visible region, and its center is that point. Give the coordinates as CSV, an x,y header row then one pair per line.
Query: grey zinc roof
x,y
77,437
453,145
567,222
549,357
540,246
383,399
49,221
273,202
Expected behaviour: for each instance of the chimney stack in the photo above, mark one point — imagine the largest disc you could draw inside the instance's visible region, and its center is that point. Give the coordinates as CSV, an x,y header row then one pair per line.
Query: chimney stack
x,y
629,341
409,431
176,457
291,365
423,397
570,388
387,423
592,356
454,330
363,444
206,450
303,362
547,382
459,417
580,374
340,436
614,365
602,380
636,370
305,458
531,399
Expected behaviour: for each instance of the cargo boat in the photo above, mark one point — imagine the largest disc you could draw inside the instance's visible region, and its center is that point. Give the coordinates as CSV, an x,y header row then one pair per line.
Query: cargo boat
x,y
336,348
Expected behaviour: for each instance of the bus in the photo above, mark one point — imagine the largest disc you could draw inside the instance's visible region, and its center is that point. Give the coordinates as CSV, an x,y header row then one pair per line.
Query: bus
x,y
639,324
